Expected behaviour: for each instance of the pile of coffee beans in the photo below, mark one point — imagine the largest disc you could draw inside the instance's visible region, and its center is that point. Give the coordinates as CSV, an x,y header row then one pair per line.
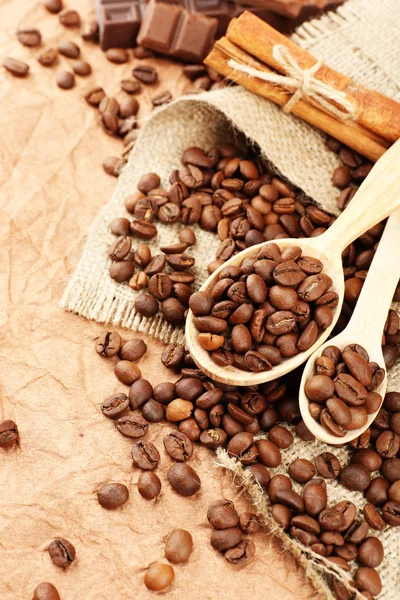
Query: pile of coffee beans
x,y
227,536
341,392
269,307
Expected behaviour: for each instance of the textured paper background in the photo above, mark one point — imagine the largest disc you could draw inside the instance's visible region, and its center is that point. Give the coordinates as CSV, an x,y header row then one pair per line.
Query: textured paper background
x,y
52,382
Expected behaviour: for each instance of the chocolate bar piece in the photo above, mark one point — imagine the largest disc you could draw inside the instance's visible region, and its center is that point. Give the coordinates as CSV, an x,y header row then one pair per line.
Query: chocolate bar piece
x,y
119,22
171,29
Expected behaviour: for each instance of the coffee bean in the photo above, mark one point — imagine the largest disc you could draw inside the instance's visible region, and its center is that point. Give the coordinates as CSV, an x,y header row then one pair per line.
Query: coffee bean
x,y
179,546
9,435
249,523
149,485
378,491
117,55
120,248
314,497
139,393
16,67
241,554
391,469
268,453
47,57
65,80
328,466
387,444
367,457
46,591
183,479
393,492
391,513
108,343
146,305
29,37
159,577
178,410
142,229
213,438
112,495
115,406
161,98
368,580
370,553
69,18
95,96
173,356
81,68
178,446
153,411
187,236
145,74
373,517
132,425
53,6
319,388
69,49
126,371
355,477
173,310
301,470
133,349
288,274
224,539
145,455
61,552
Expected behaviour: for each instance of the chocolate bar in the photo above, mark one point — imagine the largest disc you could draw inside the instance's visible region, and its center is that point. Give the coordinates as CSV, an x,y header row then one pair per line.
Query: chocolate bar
x,y
119,22
171,29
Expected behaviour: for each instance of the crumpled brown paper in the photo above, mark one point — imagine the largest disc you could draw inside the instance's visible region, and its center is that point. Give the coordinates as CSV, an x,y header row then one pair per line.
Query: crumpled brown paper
x,y
51,380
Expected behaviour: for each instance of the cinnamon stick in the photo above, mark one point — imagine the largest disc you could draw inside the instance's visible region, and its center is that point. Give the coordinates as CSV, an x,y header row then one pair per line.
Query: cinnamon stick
x,y
350,134
374,111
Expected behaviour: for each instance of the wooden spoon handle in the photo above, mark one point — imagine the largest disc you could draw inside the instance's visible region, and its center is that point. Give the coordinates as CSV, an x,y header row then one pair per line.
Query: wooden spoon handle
x,y
370,314
377,197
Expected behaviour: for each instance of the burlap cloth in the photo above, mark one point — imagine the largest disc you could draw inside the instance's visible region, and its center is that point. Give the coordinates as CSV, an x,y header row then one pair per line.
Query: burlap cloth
x,y
52,382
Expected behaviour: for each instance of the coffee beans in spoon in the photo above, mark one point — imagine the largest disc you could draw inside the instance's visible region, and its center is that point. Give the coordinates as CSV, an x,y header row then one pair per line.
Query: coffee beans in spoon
x,y
263,311
341,392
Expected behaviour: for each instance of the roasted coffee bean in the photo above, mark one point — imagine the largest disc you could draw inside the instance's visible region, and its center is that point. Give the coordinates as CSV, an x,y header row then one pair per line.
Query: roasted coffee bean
x,y
319,388
115,406
133,349
16,67
117,55
288,274
358,367
29,37
120,248
314,497
132,425
393,492
53,6
149,485
282,515
153,411
290,499
328,466
391,469
355,477
373,517
224,539
142,229
249,523
159,577
213,438
69,49
368,580
126,371
46,591
113,165
112,495
130,86
138,281
222,514
301,470
48,57
95,96
120,227
367,457
140,392
146,305
391,513
108,343
268,453
178,409
145,74
183,479
370,553
145,455
156,265
387,444
179,546
178,446
172,357
378,491
240,554
173,310
165,392
61,552
9,435
69,18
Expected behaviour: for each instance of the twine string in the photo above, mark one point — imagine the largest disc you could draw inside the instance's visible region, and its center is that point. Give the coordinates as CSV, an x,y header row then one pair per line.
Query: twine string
x,y
301,83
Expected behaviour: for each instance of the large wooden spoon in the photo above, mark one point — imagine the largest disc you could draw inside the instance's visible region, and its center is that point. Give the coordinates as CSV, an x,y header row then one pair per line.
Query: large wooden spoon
x,y
366,324
377,197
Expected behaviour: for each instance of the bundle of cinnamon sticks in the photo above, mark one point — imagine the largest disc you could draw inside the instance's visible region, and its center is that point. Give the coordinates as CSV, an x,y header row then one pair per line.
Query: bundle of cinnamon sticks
x,y
363,119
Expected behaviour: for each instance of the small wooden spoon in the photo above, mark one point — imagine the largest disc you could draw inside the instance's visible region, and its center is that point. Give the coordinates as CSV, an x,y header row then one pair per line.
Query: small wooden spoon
x,y
365,326
377,197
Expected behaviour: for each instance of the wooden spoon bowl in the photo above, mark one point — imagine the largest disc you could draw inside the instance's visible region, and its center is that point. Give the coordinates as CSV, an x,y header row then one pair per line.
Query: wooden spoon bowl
x,y
377,197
